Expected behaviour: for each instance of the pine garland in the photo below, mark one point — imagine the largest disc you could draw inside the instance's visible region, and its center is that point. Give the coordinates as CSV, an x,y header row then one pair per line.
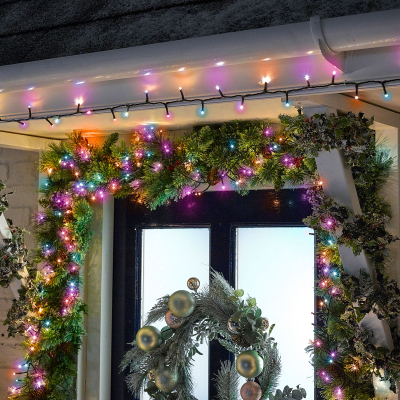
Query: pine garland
x,y
156,169
13,253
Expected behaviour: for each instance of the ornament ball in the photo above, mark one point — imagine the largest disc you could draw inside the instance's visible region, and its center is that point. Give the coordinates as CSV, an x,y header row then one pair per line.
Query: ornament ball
x,y
251,391
172,321
148,338
166,379
249,364
181,303
193,284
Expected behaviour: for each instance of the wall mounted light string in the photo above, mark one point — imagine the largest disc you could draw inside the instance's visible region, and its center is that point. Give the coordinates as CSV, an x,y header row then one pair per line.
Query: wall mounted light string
x,y
265,93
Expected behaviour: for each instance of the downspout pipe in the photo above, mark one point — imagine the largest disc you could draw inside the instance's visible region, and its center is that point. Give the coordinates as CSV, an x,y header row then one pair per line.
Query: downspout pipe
x,y
341,34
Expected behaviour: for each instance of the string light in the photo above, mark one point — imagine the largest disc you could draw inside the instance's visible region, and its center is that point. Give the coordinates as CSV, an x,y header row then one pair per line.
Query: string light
x,y
265,93
78,103
202,107
51,124
385,93
113,114
242,103
182,96
265,81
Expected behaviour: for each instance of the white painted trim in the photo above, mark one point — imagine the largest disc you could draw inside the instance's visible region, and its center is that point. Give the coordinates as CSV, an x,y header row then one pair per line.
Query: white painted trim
x,y
16,140
284,41
106,300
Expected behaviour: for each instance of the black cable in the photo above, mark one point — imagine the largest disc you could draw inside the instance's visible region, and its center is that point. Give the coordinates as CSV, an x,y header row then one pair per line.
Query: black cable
x,y
263,93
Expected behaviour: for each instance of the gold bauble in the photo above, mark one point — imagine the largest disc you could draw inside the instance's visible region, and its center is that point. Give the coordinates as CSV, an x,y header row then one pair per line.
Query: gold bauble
x,y
151,375
265,324
181,303
251,391
193,284
172,320
240,340
249,364
148,338
233,326
166,379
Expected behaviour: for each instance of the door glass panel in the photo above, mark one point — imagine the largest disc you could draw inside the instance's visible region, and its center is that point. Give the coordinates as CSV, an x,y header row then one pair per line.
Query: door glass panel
x,y
276,266
170,257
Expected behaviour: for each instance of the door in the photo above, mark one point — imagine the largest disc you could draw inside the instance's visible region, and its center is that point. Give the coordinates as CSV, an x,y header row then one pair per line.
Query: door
x,y
237,229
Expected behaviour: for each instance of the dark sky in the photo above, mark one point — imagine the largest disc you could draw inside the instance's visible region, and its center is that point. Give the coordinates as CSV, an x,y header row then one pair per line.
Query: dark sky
x,y
39,29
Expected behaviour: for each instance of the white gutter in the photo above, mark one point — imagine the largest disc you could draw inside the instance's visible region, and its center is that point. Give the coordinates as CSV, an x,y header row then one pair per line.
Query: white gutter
x,y
362,31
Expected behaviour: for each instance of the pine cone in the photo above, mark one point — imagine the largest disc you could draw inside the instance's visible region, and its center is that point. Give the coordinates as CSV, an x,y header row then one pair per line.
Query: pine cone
x,y
65,347
240,340
38,394
213,177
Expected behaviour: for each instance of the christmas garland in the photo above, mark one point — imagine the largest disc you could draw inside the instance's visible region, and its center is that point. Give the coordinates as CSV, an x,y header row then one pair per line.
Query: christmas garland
x,y
160,362
156,169
13,254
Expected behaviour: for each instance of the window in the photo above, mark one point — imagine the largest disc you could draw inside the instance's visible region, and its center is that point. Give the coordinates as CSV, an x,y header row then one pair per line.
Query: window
x,y
226,218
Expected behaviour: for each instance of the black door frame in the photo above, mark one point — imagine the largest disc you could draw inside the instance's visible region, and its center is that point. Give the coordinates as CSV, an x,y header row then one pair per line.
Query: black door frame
x,y
222,212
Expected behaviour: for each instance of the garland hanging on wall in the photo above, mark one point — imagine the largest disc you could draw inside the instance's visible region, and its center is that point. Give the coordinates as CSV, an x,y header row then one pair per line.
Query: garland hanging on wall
x,y
13,252
156,169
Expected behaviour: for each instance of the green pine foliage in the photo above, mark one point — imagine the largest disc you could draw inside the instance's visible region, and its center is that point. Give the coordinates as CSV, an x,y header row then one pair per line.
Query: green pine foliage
x,y
227,382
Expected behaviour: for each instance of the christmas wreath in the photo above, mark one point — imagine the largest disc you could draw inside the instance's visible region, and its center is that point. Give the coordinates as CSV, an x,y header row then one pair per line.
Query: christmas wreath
x,y
160,361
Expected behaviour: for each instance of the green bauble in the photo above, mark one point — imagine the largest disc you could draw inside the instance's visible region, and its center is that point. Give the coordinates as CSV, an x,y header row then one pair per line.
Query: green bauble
x,y
249,364
148,338
181,303
166,379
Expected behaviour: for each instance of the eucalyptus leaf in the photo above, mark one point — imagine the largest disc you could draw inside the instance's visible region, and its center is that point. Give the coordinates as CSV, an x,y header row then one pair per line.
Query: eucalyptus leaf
x,y
259,322
271,328
239,292
258,313
252,302
297,395
236,316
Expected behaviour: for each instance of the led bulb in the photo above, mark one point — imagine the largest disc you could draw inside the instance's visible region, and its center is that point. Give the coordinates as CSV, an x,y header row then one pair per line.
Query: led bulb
x,y
307,77
334,73
217,87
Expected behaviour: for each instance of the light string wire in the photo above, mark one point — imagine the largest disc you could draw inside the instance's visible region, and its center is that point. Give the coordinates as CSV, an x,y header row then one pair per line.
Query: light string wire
x,y
264,93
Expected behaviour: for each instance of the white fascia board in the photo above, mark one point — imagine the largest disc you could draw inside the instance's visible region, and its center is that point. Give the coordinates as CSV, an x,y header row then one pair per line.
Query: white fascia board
x,y
379,29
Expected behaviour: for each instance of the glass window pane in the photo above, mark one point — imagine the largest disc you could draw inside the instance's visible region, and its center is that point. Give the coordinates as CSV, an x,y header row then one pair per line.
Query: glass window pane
x,y
276,266
170,258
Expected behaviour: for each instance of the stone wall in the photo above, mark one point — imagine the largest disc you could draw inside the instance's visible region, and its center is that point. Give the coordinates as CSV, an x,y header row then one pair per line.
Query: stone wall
x,y
42,29
18,170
